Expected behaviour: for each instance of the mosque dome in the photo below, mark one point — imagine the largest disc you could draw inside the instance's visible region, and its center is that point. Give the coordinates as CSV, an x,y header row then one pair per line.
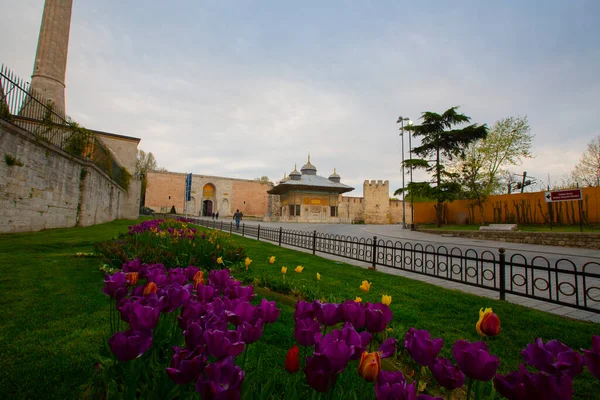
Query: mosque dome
x,y
308,168
334,177
295,175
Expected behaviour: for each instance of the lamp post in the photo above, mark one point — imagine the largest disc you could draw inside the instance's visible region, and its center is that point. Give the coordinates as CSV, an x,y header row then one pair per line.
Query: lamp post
x,y
412,208
401,122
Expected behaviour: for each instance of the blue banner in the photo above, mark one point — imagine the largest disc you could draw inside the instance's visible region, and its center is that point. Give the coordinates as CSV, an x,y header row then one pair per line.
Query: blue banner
x,y
188,187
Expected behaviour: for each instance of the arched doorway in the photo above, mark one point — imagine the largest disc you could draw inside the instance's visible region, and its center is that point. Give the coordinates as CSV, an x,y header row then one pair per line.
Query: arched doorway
x,y
224,209
207,207
208,199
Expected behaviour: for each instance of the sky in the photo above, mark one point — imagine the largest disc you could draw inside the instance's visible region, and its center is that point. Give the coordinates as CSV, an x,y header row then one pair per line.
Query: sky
x,y
245,89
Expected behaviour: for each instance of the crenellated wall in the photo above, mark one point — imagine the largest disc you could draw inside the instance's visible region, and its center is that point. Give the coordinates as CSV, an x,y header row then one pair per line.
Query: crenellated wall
x,y
376,202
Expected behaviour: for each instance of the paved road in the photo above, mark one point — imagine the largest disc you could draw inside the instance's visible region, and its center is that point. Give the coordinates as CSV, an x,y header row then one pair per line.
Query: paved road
x,y
415,251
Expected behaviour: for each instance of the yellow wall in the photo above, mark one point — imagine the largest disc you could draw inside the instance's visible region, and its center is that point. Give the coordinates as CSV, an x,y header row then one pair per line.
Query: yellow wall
x,y
521,208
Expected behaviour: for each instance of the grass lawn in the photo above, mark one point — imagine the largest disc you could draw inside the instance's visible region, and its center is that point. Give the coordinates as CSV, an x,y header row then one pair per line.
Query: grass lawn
x,y
524,228
54,315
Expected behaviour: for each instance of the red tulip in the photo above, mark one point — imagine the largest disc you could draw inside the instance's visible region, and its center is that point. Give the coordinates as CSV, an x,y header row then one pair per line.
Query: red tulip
x,y
150,289
488,324
292,361
370,365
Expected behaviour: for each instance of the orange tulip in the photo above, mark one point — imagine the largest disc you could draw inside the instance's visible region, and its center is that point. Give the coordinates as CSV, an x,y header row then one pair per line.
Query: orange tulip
x,y
370,365
488,324
132,278
150,289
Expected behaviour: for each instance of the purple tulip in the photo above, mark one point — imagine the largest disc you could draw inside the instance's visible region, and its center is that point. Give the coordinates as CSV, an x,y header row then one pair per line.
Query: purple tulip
x,y
240,292
475,360
446,374
219,279
142,317
115,285
214,320
250,333
268,311
304,310
592,357
388,348
524,385
553,357
130,344
223,344
158,276
353,313
205,293
392,386
243,312
338,351
222,381
194,335
186,365
176,296
328,314
305,331
192,311
132,266
421,347
190,272
428,397
377,316
355,342
319,373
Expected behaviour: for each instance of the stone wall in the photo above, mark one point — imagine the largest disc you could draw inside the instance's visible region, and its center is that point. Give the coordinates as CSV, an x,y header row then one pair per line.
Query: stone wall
x,y
396,212
52,189
376,202
566,239
166,189
351,209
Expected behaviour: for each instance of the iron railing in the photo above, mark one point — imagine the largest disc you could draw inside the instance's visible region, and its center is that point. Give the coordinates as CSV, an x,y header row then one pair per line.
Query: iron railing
x,y
30,111
560,282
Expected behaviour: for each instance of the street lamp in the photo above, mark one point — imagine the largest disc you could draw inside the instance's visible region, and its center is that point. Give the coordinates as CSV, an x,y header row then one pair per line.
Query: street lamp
x,y
412,208
401,122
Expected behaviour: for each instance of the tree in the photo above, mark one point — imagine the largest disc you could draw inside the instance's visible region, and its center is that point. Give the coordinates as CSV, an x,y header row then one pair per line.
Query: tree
x,y
587,171
508,142
144,163
440,140
263,179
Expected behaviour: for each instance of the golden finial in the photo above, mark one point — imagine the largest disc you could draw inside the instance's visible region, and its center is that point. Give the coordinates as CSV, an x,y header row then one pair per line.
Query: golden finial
x,y
334,171
309,157
295,166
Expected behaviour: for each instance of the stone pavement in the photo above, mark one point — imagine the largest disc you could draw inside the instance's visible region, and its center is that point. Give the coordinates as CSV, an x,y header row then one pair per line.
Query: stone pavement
x,y
396,232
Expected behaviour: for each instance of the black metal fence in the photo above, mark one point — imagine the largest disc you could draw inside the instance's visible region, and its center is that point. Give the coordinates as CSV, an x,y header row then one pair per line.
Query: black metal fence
x,y
31,112
560,282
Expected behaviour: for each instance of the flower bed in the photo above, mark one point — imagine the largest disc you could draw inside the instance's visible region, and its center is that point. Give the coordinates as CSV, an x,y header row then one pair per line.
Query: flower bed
x,y
174,333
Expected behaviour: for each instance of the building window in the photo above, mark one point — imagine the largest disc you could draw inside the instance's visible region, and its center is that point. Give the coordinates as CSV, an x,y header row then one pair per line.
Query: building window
x,y
334,211
297,209
292,208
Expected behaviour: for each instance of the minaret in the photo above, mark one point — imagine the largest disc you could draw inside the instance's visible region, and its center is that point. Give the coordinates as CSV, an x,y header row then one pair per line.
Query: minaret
x,y
48,79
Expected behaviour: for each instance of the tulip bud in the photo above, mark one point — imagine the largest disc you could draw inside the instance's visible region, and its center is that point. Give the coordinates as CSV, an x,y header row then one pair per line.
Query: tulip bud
x,y
150,289
365,286
318,276
132,278
220,260
299,268
358,300
387,300
488,324
284,270
292,362
247,262
370,365
272,260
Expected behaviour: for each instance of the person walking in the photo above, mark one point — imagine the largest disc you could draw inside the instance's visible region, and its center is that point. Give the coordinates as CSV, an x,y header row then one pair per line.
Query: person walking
x,y
238,217
217,215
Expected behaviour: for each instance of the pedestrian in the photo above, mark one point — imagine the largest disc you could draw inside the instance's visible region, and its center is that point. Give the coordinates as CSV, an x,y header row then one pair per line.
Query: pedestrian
x,y
217,215
212,215
238,217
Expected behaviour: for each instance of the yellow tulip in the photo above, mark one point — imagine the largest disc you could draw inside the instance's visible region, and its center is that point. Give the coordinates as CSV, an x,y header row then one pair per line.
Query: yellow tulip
x,y
247,262
272,260
284,270
488,324
318,276
369,366
299,268
220,260
387,300
358,300
365,286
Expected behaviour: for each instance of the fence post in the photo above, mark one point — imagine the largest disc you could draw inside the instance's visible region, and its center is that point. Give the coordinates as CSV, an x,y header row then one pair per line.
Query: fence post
x,y
280,232
221,224
502,273
243,229
374,253
231,227
314,241
258,233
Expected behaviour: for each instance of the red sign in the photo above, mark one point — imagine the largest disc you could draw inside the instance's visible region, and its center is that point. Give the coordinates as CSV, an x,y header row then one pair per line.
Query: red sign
x,y
563,195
